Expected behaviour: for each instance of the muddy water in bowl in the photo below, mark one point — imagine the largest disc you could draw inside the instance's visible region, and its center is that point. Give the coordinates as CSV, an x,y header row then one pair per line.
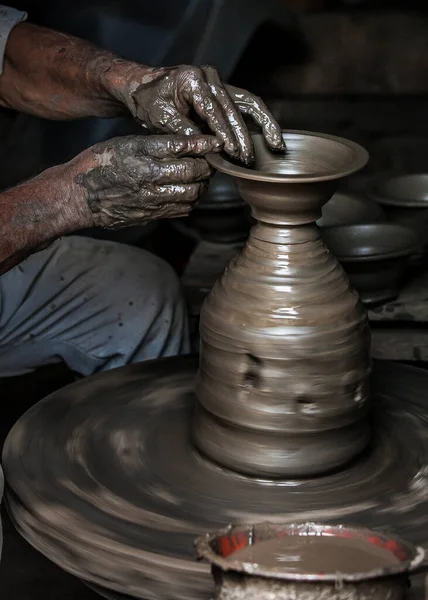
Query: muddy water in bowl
x,y
317,553
308,562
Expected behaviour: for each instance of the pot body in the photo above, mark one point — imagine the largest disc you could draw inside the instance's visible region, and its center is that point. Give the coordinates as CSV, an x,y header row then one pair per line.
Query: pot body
x,y
237,586
285,347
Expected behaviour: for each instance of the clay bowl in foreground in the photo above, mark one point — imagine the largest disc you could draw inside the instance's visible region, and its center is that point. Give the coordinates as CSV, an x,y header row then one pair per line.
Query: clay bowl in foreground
x,y
374,257
404,199
235,578
350,208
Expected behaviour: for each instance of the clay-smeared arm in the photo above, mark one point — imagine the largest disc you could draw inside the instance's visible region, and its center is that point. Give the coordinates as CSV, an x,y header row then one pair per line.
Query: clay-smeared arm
x,y
123,182
57,76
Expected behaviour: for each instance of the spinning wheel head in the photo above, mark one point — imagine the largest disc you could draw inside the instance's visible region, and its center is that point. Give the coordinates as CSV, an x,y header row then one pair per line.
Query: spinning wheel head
x,y
103,479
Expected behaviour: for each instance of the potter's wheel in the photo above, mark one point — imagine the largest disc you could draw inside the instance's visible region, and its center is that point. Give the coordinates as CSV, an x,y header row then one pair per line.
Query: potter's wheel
x,y
103,478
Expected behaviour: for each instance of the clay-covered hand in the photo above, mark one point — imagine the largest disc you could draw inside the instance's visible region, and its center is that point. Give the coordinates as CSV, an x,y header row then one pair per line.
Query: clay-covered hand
x,y
164,100
131,180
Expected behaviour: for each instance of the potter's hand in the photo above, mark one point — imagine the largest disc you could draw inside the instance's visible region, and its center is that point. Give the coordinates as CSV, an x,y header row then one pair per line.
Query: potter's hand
x,y
65,77
134,179
163,99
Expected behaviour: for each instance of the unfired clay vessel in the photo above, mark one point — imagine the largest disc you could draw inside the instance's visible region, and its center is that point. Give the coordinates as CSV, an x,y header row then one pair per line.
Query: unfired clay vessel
x,y
350,208
404,199
374,257
285,345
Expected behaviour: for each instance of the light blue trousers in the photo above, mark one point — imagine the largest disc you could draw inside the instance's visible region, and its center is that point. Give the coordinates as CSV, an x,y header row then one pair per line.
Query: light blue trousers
x,y
95,305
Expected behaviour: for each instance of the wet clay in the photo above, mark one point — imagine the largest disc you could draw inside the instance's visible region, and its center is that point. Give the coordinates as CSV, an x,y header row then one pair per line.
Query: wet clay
x,y
66,77
103,478
316,554
165,102
135,179
285,345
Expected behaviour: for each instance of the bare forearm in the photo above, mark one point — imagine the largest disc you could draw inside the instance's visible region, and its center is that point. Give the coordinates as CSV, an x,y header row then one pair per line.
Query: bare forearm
x,y
57,76
37,212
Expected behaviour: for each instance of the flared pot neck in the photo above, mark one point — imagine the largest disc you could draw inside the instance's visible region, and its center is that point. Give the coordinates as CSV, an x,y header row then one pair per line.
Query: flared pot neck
x,y
286,204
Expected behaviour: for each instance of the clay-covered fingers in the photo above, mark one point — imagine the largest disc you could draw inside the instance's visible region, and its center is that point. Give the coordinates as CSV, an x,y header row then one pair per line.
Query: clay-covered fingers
x,y
257,109
233,115
199,95
164,160
168,101
131,180
179,171
170,146
173,200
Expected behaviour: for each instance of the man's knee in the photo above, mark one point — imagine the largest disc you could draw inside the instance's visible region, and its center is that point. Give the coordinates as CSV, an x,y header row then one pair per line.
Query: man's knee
x,y
96,304
143,280
149,305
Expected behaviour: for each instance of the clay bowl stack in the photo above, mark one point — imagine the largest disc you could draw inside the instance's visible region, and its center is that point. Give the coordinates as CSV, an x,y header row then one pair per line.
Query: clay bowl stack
x,y
404,199
374,255
350,208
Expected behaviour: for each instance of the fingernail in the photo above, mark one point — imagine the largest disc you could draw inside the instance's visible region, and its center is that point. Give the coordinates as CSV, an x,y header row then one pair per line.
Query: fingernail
x,y
232,150
247,157
218,145
282,144
248,160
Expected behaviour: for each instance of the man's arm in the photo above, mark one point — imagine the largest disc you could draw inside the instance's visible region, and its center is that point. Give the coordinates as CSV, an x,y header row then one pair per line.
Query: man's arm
x,y
123,182
55,75
35,213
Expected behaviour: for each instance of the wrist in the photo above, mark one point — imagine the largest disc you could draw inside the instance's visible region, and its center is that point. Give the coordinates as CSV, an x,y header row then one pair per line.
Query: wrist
x,y
75,208
39,211
124,78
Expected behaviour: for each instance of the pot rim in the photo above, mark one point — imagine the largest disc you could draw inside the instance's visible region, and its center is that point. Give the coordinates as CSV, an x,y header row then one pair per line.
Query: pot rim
x,y
223,164
375,192
205,551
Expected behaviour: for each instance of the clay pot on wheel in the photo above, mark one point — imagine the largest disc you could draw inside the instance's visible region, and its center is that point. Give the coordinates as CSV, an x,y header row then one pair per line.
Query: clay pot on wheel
x,y
285,345
239,571
374,257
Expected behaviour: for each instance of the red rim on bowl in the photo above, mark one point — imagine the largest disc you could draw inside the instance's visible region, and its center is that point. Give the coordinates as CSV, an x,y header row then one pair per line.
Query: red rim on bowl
x,y
218,549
